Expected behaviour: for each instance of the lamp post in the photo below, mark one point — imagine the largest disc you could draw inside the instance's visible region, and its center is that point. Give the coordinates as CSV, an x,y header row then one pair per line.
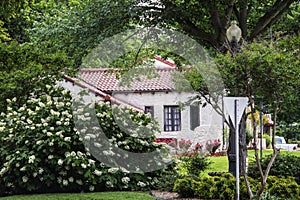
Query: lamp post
x,y
233,35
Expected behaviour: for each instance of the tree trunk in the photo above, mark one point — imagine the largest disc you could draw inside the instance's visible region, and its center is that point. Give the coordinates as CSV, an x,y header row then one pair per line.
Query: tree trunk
x,y
242,146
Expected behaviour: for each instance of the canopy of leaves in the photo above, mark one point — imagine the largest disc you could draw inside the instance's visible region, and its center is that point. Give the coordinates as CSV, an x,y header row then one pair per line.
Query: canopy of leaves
x,y
24,69
79,27
268,72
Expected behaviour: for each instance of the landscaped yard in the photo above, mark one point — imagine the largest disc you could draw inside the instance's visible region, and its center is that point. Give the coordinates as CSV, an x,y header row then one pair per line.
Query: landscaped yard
x,y
84,196
220,163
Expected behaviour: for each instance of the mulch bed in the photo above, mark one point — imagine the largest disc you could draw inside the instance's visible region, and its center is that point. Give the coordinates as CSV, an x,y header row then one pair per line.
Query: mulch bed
x,y
165,195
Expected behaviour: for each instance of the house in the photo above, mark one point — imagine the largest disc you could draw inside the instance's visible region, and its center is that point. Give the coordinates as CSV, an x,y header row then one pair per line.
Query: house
x,y
158,96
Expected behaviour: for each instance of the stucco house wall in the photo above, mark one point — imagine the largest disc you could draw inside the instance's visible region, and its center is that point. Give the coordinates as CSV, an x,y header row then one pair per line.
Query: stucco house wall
x,y
210,127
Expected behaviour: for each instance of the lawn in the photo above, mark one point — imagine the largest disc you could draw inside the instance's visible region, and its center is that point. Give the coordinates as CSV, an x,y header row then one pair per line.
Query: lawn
x,y
220,163
84,196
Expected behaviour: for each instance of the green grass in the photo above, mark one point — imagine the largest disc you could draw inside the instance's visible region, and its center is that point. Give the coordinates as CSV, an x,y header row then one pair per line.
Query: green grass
x,y
84,196
220,163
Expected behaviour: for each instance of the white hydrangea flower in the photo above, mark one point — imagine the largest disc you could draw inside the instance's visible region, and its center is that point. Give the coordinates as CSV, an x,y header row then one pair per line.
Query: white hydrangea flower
x,y
59,179
41,104
39,142
10,185
83,165
79,182
50,157
23,169
141,184
60,162
113,170
24,179
67,154
71,179
91,162
97,172
79,154
91,188
3,171
65,182
73,153
109,184
41,170
125,180
48,133
31,159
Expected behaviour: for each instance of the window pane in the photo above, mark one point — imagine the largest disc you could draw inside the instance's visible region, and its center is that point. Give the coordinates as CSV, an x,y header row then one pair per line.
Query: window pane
x,y
172,118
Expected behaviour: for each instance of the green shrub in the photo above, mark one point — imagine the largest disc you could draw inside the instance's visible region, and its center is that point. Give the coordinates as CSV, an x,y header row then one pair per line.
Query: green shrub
x,y
224,187
268,196
194,164
283,187
283,166
166,177
207,187
254,183
184,187
41,150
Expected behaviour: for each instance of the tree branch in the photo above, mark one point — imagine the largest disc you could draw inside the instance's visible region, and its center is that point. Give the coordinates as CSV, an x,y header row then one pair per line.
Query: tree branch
x,y
194,31
215,20
243,15
271,16
228,14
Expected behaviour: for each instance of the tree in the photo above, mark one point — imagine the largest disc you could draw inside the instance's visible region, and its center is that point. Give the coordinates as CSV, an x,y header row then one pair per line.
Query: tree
x,y
10,11
25,70
81,28
267,74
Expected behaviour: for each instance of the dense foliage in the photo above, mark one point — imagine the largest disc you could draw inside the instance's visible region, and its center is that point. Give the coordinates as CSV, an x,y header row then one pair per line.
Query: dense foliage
x,y
42,151
223,187
284,166
24,69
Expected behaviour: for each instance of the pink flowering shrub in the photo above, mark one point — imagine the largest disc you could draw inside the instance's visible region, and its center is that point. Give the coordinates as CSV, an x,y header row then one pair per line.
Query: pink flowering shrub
x,y
182,147
212,146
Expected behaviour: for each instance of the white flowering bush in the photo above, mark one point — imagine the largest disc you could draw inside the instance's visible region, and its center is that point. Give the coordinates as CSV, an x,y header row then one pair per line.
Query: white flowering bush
x,y
42,151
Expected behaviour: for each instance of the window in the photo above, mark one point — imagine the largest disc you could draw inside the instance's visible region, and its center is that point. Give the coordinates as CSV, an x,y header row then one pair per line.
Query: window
x,y
149,109
194,116
172,118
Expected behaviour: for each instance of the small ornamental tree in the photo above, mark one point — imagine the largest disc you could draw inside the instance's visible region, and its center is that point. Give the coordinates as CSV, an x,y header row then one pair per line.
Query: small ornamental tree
x,y
42,151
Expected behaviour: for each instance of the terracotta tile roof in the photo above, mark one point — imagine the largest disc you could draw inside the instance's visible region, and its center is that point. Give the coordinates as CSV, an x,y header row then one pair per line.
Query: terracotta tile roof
x,y
105,80
106,97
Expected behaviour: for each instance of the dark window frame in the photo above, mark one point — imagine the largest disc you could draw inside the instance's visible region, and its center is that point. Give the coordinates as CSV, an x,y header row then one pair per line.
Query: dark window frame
x,y
149,109
172,118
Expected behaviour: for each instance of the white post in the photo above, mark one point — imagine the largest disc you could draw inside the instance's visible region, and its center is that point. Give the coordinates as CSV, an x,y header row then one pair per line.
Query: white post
x,y
237,149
